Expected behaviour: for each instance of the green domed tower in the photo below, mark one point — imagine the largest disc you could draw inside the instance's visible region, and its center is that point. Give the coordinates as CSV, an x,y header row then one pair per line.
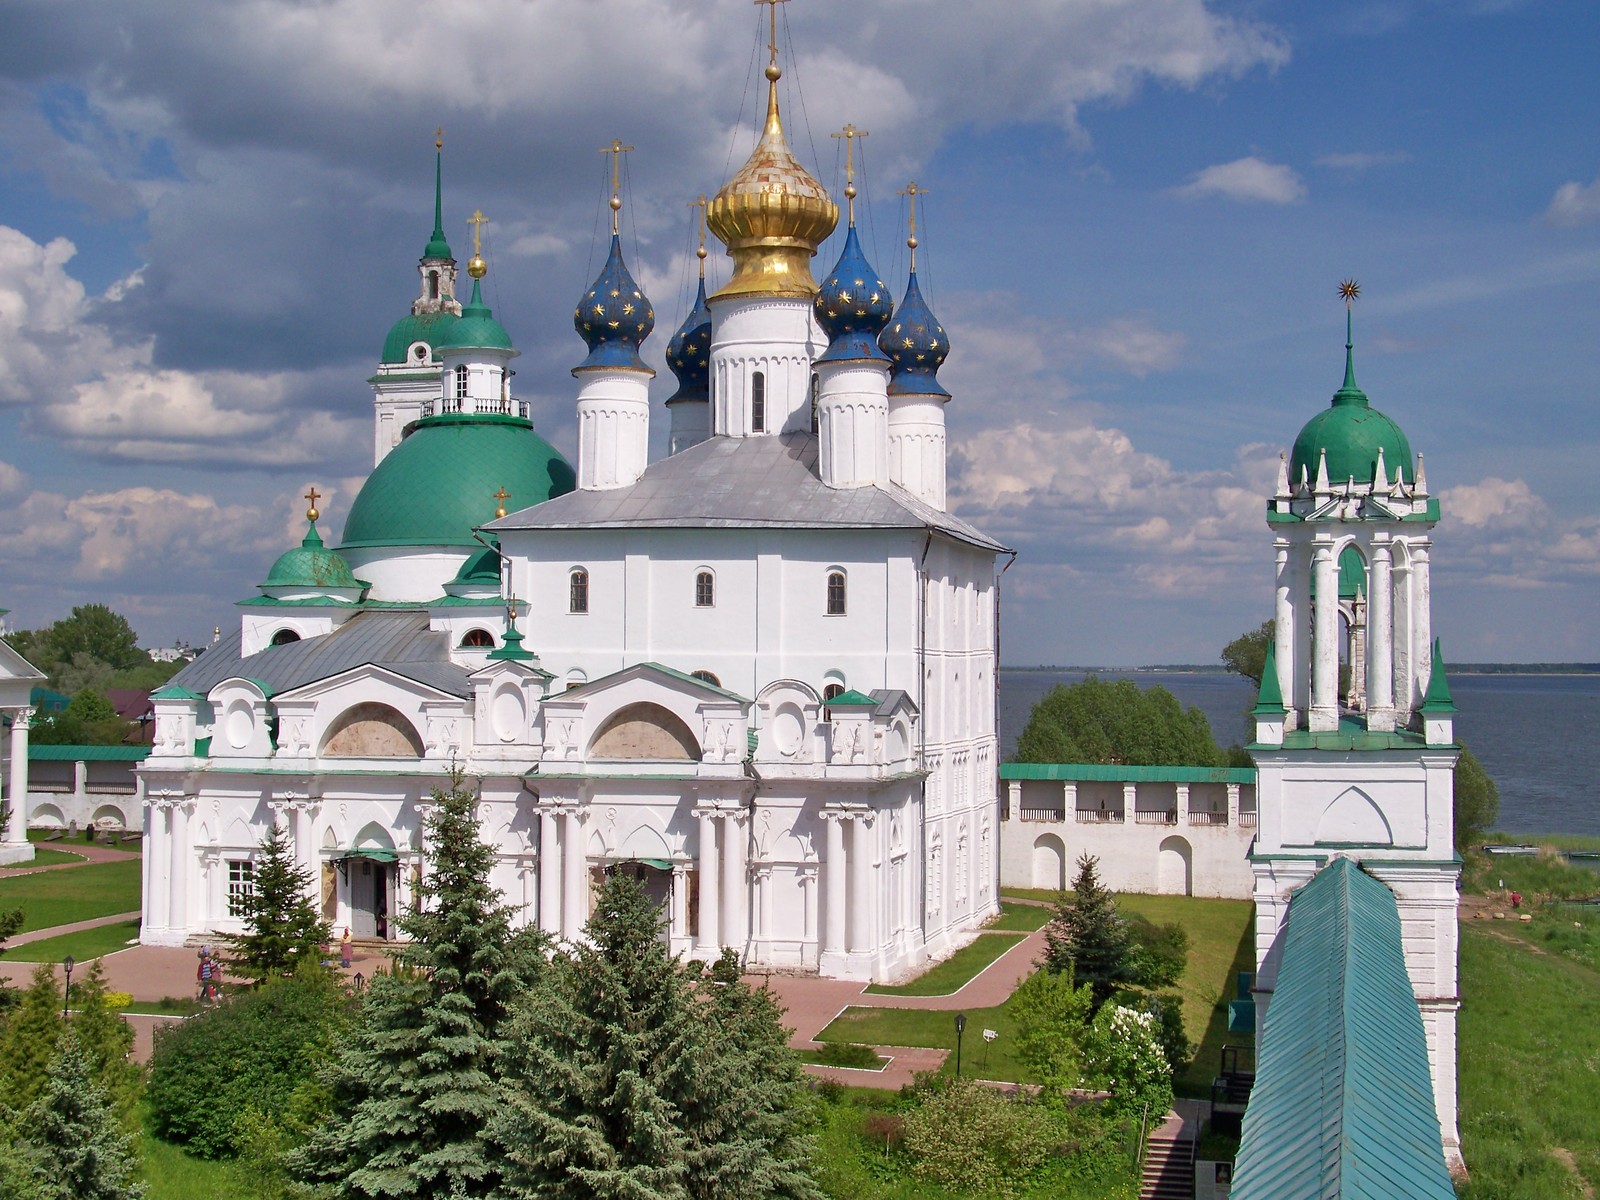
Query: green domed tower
x,y
408,367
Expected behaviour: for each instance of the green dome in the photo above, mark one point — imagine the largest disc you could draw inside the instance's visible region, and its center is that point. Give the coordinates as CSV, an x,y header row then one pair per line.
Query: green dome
x,y
311,565
475,328
481,569
440,482
432,328
1351,431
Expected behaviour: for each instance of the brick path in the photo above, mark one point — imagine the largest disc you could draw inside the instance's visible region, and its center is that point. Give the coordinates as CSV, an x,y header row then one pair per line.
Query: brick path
x,y
92,852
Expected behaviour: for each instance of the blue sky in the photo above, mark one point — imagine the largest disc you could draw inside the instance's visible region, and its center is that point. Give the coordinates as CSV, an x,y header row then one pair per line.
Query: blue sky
x,y
1140,211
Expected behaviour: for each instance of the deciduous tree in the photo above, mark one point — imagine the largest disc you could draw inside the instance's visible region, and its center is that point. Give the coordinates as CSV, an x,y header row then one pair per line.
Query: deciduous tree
x,y
1477,800
1247,654
1097,721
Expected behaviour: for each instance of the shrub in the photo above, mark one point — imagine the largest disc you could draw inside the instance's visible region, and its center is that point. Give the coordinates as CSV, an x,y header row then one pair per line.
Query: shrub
x,y
1123,1054
970,1138
259,1049
849,1054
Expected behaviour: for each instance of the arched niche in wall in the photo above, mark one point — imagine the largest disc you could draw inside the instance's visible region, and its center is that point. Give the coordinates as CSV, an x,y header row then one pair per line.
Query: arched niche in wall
x,y
372,731
645,731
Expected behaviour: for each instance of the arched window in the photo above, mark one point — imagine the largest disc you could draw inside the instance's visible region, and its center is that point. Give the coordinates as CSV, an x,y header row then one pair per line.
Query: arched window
x,y
284,636
758,402
836,593
477,639
707,677
433,285
461,382
705,590
578,591
832,691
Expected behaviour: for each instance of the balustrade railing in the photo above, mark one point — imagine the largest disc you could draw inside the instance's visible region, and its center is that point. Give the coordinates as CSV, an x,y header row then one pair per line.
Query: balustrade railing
x,y
1160,816
1099,816
1043,814
1206,817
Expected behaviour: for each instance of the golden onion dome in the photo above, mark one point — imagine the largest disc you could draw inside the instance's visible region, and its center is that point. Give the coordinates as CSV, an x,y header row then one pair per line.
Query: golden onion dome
x,y
772,215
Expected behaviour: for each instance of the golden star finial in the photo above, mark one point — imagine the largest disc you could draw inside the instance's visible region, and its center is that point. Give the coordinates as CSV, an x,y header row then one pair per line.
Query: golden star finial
x,y
1350,290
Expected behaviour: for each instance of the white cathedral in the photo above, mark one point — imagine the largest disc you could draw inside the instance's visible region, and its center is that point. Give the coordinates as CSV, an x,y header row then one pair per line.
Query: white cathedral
x,y
758,673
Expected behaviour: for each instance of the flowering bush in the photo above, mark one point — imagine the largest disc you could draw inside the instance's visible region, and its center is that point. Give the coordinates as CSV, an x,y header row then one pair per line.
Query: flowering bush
x,y
1122,1053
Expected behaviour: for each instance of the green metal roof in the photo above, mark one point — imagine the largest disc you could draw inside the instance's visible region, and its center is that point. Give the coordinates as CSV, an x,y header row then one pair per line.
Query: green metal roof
x,y
1343,1101
1351,735
852,699
440,481
1351,431
311,565
1269,701
87,753
476,328
432,328
1437,699
1119,773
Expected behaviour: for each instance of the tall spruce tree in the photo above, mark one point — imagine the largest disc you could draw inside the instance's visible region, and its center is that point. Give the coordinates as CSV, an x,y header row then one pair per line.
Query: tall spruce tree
x,y
416,1088
282,926
1088,938
83,1153
28,1039
632,1077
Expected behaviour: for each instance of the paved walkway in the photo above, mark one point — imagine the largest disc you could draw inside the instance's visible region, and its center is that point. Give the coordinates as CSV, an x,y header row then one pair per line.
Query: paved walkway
x,y
39,935
91,852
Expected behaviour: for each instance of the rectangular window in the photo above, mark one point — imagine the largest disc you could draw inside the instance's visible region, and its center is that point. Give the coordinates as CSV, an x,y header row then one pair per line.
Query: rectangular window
x,y
758,403
705,590
836,594
241,884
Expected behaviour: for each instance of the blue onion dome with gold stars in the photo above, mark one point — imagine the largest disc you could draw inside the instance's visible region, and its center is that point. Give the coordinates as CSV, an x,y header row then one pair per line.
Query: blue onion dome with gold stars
x,y
852,305
689,352
915,342
614,317
476,328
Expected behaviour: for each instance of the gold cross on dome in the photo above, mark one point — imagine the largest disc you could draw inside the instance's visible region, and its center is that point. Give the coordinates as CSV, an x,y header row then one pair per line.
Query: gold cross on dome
x,y
313,496
438,138
616,150
702,204
850,133
913,191
477,220
500,498
772,39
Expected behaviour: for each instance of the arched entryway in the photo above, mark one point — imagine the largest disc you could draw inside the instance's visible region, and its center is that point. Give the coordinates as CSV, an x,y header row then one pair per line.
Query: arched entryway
x,y
1174,868
1049,862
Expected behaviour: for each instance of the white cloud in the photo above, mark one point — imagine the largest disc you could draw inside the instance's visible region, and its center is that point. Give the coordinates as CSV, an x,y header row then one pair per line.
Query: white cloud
x,y
12,480
1574,204
1132,343
1250,180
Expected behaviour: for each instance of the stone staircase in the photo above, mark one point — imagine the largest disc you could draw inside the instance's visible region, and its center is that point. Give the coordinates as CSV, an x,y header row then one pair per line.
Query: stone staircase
x,y
1169,1163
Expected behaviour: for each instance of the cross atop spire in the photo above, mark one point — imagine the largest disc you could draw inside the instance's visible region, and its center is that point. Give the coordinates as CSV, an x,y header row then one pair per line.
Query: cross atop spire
x,y
913,191
313,496
500,499
701,202
476,267
774,72
850,133
616,150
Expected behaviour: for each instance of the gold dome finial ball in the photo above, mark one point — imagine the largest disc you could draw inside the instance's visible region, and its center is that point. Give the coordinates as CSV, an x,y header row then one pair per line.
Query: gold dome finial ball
x,y
312,514
700,252
476,267
911,242
850,191
616,203
774,72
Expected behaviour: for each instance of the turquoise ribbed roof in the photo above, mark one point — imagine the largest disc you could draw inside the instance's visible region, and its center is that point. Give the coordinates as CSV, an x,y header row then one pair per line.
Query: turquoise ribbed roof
x,y
1121,773
1343,1101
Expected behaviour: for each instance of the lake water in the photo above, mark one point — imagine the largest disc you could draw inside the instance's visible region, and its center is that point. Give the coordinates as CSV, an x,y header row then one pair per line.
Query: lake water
x,y
1537,735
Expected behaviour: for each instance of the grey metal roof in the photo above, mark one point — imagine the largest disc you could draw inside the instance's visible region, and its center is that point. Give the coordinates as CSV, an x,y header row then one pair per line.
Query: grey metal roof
x,y
730,483
1343,1101
398,640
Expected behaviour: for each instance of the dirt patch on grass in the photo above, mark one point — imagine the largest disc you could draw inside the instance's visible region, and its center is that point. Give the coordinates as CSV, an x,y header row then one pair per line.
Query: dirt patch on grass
x,y
1564,1156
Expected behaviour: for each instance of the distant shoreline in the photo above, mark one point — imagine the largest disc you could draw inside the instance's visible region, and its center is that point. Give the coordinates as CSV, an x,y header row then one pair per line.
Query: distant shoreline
x,y
1208,669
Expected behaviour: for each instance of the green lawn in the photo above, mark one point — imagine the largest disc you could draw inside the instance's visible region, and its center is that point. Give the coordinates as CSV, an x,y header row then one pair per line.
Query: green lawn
x,y
1024,918
171,1174
41,838
43,856
1221,943
83,945
956,971
1529,1038
51,898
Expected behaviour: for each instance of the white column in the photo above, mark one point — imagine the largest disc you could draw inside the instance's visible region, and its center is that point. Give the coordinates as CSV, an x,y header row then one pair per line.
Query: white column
x,y
1421,621
1405,671
833,867
680,900
808,894
761,874
181,860
1325,641
17,791
863,937
735,884
1069,800
1233,806
549,870
1300,575
710,939
574,863
158,862
1380,640
1285,626
1182,802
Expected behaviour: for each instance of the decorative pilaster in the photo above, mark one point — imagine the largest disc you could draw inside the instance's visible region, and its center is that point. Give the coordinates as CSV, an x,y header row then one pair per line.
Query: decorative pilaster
x,y
574,872
736,887
549,869
710,937
1324,641
833,866
1380,640
1285,627
863,935
179,863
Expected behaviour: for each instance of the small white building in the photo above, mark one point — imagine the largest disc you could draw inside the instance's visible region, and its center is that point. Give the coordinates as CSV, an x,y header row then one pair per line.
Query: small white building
x,y
1182,831
758,673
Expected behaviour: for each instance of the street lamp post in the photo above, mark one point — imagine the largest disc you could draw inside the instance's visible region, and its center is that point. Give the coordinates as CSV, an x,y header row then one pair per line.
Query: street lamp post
x,y
67,964
961,1026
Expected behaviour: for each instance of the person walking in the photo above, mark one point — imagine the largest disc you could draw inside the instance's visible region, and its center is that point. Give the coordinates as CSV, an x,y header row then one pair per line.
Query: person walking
x,y
347,949
206,976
